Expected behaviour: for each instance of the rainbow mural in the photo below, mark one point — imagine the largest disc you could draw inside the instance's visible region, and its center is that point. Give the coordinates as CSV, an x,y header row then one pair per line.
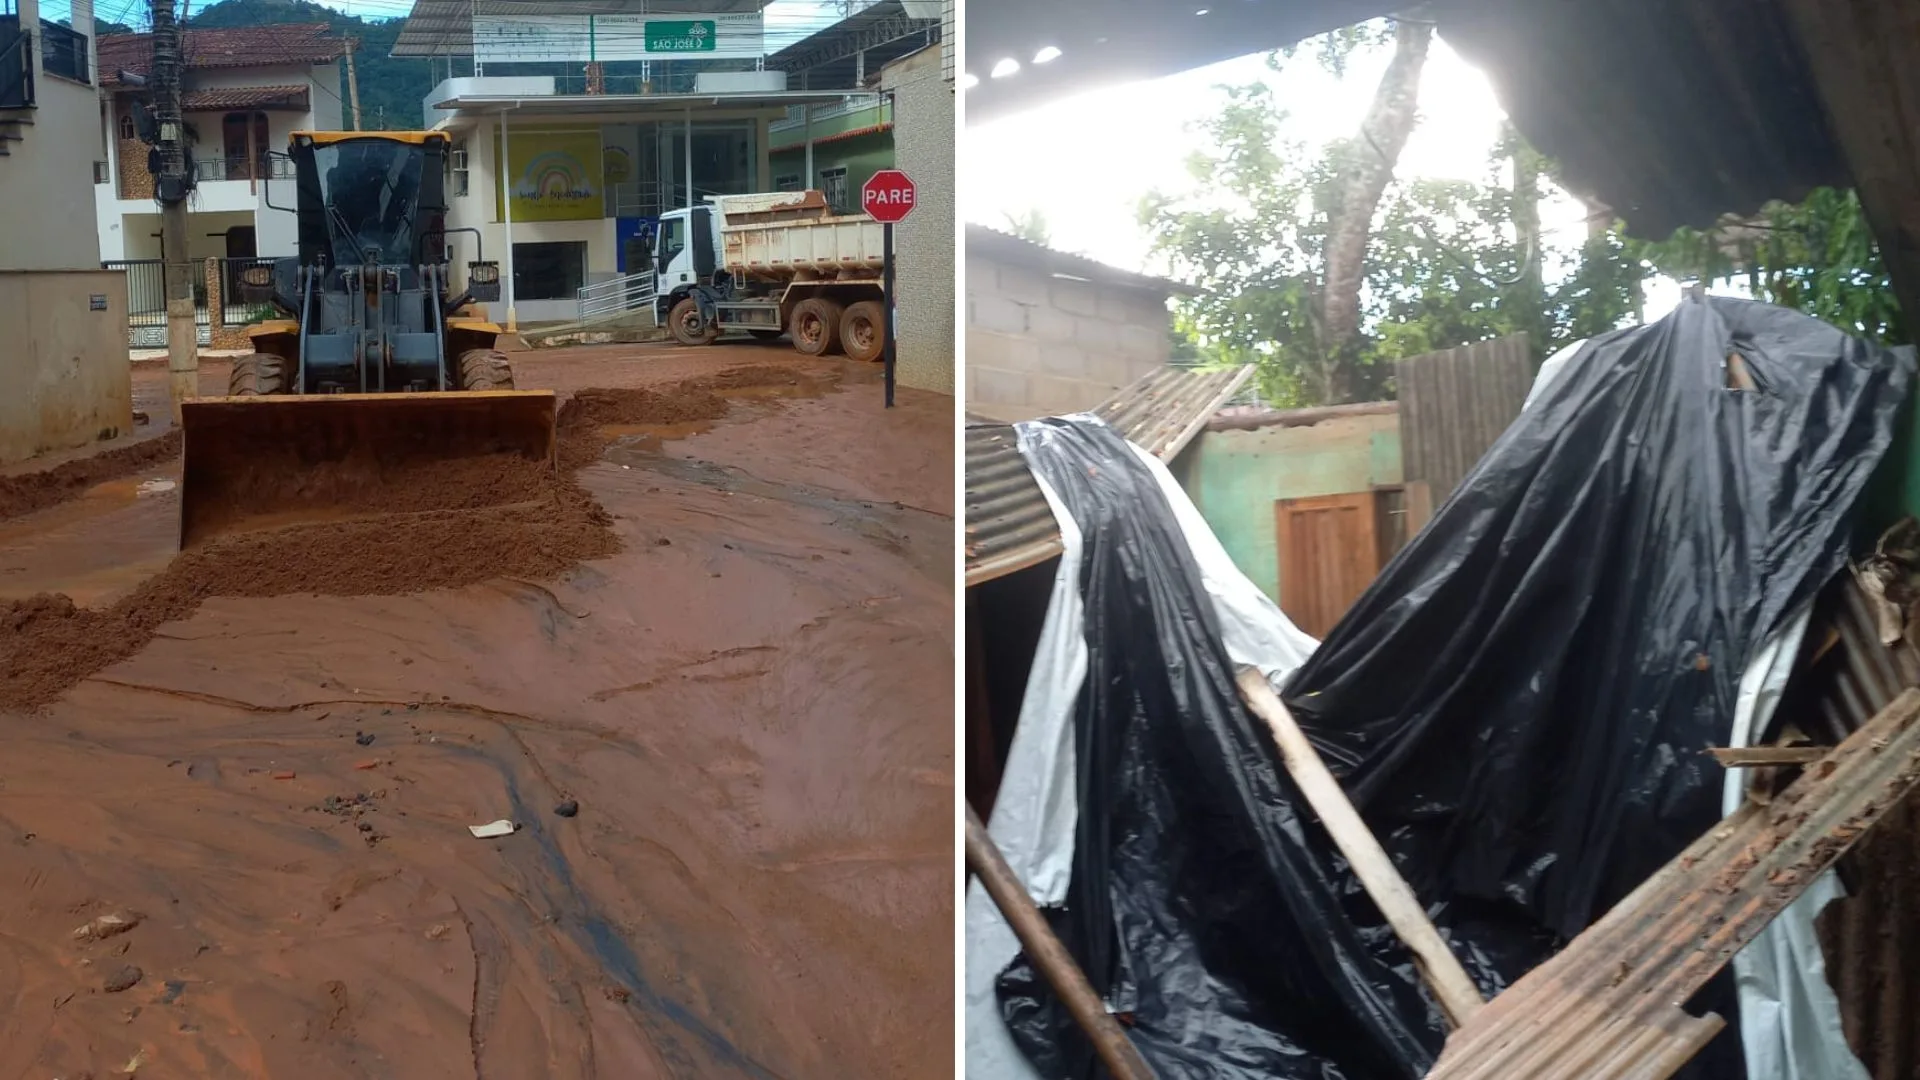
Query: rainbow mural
x,y
556,176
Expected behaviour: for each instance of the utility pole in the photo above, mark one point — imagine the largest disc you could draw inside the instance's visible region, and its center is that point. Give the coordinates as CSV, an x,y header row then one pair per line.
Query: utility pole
x,y
353,84
172,183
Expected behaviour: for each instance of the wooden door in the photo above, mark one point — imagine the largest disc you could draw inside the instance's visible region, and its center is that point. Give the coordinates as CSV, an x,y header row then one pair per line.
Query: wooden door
x,y
1329,554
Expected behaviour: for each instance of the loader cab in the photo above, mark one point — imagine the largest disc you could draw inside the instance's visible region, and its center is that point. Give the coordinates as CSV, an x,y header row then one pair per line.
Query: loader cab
x,y
678,263
369,198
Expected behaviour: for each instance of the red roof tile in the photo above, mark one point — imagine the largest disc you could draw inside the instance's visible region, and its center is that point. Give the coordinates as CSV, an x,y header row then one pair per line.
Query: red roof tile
x,y
286,45
221,99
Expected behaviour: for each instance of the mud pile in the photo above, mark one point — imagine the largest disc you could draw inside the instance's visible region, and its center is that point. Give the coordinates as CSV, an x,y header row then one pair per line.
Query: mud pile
x,y
28,492
458,524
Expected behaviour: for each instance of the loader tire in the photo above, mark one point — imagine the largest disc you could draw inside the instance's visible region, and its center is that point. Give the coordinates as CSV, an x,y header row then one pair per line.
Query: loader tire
x,y
257,375
485,369
815,327
863,331
685,324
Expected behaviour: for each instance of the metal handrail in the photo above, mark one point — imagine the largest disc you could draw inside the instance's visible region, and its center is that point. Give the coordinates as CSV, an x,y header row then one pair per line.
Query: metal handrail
x,y
617,296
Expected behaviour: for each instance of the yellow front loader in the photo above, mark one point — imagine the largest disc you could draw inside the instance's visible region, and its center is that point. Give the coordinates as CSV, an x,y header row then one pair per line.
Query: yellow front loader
x,y
376,371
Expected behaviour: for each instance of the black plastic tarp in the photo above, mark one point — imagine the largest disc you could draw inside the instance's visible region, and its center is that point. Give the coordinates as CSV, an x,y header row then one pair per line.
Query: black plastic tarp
x,y
1518,704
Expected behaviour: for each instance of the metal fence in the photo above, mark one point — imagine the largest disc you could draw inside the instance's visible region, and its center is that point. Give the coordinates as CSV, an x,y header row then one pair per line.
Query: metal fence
x,y
618,296
147,300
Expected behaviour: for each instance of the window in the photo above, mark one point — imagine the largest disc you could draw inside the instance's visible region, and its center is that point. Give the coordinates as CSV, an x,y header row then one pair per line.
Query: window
x,y
457,168
127,133
551,271
833,184
673,238
789,182
245,138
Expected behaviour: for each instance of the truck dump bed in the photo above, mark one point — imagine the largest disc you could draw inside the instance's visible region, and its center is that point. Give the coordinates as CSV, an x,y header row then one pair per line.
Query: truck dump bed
x,y
794,235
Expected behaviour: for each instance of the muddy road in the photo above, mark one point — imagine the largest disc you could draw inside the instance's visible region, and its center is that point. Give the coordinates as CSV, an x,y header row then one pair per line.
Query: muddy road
x,y
709,677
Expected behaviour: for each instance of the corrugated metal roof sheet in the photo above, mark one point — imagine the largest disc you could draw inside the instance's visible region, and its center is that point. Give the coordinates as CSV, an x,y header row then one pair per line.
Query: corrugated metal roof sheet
x,y
1009,526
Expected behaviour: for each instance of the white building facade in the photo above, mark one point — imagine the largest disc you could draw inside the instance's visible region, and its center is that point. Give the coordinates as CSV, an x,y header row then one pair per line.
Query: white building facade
x,y
63,317
246,91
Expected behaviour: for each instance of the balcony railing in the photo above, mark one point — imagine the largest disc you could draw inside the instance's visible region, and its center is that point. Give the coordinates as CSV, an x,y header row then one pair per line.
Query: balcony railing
x,y
265,167
16,64
796,118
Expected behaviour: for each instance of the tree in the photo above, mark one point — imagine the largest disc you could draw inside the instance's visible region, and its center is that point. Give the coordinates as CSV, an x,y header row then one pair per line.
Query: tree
x,y
1362,167
1030,226
1817,256
1444,263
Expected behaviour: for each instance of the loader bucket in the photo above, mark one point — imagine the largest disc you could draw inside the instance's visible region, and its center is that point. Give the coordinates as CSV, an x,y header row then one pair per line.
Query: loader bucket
x,y
261,462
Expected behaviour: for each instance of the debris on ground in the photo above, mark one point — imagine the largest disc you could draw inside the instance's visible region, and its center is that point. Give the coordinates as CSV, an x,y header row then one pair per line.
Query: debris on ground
x,y
493,829
569,808
123,978
112,924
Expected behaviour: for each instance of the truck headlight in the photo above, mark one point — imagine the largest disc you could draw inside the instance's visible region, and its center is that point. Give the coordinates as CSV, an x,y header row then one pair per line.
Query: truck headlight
x,y
258,276
483,273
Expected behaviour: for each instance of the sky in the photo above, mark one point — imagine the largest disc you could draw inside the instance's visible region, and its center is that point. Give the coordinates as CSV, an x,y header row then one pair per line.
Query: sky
x,y
1085,162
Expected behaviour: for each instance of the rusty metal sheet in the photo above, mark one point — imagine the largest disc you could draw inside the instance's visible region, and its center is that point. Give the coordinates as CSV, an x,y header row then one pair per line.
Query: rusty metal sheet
x,y
1010,527
1871,936
1606,1006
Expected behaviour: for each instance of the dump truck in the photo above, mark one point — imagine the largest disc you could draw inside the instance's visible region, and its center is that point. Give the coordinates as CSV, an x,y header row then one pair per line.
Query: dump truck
x,y
768,264
374,360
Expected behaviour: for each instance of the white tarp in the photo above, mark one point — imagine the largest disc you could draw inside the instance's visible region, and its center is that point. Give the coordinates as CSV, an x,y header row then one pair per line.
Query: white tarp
x,y
1035,812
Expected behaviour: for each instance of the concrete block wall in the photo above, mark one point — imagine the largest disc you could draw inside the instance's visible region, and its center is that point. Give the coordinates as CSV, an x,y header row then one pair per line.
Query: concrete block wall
x,y
65,365
924,242
1040,345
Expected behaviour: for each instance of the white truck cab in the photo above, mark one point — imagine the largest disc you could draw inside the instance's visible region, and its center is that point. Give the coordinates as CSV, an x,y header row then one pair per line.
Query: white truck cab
x,y
768,264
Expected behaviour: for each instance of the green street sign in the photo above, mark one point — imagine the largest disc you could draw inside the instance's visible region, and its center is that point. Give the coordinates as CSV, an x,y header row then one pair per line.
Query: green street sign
x,y
695,35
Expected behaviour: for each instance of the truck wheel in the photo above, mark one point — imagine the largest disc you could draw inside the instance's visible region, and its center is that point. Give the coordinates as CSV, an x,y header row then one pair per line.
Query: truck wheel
x,y
686,326
863,331
256,375
816,326
485,369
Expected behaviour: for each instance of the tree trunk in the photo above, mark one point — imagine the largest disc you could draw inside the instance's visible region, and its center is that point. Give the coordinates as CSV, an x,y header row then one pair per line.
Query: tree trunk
x,y
1361,181
1532,286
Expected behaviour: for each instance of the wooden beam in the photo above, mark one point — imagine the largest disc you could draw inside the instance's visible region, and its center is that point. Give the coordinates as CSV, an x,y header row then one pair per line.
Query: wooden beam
x,y
1748,757
1459,999
1050,957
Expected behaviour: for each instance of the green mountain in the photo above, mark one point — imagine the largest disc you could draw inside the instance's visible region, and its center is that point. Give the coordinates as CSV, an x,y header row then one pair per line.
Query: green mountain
x,y
390,90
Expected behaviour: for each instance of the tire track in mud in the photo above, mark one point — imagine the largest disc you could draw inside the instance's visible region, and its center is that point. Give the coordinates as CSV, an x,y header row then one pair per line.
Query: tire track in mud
x,y
48,644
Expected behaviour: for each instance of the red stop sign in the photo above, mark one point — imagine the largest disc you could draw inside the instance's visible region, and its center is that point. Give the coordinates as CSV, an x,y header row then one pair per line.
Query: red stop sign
x,y
888,196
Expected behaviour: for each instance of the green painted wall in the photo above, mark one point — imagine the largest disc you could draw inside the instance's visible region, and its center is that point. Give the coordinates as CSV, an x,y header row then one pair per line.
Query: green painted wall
x,y
1234,477
861,156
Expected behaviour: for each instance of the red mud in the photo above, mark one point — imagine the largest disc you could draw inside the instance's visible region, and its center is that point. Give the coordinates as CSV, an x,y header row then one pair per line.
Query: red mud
x,y
746,687
25,492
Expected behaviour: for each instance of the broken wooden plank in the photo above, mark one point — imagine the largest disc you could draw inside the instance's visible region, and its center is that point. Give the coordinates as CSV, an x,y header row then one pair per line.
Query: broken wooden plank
x,y
1603,1007
1749,757
1458,997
